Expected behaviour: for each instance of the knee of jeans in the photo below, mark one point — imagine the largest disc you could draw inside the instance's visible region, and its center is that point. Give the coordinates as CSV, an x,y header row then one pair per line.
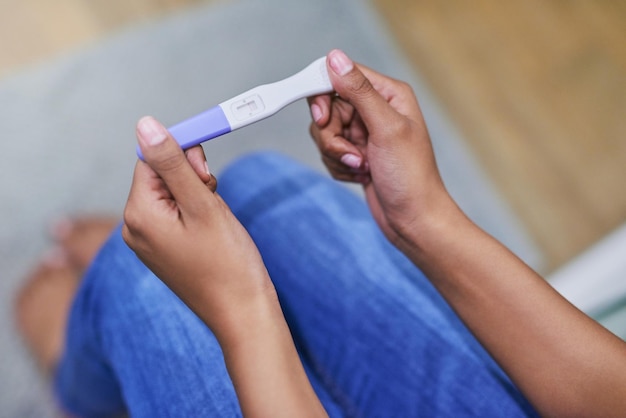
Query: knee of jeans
x,y
116,271
260,167
249,175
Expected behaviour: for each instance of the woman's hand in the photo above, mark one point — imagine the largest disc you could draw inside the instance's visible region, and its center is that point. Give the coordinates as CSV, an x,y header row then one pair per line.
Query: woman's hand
x,y
372,132
184,232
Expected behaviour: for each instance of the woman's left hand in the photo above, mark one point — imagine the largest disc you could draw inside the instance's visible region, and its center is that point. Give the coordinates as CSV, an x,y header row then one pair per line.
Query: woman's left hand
x,y
185,233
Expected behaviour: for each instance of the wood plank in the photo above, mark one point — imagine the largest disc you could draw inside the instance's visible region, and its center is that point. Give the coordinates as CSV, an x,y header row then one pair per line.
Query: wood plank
x,y
539,89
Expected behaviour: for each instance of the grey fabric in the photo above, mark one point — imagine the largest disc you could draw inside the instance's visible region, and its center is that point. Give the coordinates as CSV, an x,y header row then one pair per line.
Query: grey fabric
x,y
68,127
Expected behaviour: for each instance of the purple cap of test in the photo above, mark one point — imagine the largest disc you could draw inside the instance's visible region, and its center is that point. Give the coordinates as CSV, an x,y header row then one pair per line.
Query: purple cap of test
x,y
193,131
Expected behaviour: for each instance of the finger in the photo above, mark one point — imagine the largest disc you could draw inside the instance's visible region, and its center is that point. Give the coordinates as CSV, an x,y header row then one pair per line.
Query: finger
x,y
334,140
163,154
147,185
397,93
198,162
146,188
350,176
211,184
197,159
339,168
352,85
319,107
334,146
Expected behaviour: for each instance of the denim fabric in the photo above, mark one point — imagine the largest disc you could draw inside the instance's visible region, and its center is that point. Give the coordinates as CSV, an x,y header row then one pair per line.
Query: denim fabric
x,y
375,338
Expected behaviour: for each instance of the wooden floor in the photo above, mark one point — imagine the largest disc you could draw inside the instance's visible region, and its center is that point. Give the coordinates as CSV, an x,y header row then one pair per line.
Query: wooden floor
x,y
537,86
539,89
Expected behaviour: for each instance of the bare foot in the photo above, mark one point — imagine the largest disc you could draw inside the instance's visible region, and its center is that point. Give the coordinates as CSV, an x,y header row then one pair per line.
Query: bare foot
x,y
41,311
81,238
43,303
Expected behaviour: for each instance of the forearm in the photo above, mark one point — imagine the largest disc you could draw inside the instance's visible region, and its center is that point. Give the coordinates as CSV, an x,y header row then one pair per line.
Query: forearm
x,y
262,361
563,361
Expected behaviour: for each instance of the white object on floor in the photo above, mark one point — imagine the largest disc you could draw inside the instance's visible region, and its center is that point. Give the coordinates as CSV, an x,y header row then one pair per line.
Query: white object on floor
x,y
596,280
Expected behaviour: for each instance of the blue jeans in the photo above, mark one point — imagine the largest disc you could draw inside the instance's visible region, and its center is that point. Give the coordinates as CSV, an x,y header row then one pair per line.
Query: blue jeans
x,y
374,336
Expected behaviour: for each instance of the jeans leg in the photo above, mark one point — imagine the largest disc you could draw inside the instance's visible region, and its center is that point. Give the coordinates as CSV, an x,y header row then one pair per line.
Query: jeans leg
x,y
367,322
134,347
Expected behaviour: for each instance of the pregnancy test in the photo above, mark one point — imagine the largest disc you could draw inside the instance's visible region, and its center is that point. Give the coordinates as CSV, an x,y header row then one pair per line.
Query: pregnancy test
x,y
252,106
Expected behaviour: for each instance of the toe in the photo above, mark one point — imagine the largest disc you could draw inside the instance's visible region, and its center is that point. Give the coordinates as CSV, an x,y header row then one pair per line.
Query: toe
x,y
81,238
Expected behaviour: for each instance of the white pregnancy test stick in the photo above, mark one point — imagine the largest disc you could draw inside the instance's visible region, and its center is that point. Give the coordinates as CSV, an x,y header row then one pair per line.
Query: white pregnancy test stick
x,y
252,106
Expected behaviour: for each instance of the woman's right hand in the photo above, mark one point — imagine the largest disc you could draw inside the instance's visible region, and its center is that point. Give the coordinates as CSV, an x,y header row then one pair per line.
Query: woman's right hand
x,y
372,132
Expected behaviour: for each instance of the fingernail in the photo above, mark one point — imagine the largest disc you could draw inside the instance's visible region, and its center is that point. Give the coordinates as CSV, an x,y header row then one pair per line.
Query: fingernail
x,y
206,167
351,160
316,112
340,63
151,131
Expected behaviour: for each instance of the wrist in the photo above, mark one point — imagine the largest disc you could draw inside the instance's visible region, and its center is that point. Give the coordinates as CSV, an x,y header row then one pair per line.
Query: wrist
x,y
238,321
258,348
432,222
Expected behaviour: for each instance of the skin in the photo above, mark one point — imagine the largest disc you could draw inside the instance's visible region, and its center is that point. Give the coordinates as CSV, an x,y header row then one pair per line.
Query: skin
x,y
43,303
371,132
564,362
184,232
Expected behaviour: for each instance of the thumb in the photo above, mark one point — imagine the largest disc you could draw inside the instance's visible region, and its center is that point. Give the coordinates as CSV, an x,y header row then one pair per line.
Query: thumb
x,y
352,85
165,156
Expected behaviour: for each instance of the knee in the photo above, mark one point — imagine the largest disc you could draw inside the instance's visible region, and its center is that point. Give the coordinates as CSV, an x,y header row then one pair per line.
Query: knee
x,y
260,168
247,178
116,272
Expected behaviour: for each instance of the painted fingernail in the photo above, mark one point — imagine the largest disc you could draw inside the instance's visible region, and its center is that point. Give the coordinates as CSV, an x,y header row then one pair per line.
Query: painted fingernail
x,y
340,63
351,160
151,131
316,112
